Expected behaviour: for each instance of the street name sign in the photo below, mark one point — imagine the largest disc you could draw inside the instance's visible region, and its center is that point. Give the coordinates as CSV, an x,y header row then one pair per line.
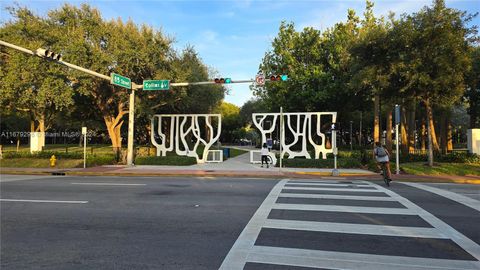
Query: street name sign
x,y
120,81
156,85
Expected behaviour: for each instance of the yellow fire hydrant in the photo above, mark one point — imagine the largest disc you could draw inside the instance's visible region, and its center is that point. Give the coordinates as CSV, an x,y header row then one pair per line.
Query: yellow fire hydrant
x,y
53,160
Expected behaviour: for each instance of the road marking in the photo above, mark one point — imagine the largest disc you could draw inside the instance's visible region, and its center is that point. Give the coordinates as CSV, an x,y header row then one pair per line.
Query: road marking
x,y
472,203
464,242
339,197
237,255
353,228
334,189
346,260
41,201
347,209
324,184
108,184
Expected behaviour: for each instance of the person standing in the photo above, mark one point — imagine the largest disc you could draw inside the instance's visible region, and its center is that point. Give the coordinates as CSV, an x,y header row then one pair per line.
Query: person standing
x,y
264,154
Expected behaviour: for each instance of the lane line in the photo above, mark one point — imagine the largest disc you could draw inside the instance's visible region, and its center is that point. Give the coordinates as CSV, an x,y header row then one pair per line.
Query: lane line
x,y
108,184
354,228
464,242
339,197
325,184
40,201
236,257
345,260
333,189
347,209
472,203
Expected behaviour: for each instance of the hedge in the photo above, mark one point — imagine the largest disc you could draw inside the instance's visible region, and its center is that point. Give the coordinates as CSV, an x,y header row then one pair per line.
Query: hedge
x,y
168,160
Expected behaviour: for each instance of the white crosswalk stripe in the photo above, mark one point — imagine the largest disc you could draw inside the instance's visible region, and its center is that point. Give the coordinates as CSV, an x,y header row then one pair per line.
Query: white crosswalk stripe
x,y
245,251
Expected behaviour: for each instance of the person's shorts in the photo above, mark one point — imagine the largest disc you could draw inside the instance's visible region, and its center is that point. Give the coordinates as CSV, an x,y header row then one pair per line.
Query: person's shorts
x,y
382,159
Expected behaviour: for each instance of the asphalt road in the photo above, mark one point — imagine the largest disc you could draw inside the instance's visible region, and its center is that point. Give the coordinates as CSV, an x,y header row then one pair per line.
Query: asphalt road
x,y
59,222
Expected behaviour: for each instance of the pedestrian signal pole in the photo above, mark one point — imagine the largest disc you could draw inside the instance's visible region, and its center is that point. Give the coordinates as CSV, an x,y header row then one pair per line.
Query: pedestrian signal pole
x,y
397,124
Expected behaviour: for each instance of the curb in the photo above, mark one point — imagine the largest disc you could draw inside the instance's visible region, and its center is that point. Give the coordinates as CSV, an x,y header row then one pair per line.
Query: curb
x,y
410,178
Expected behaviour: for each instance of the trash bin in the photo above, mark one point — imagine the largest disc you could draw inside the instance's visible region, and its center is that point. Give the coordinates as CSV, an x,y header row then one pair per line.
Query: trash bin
x,y
226,152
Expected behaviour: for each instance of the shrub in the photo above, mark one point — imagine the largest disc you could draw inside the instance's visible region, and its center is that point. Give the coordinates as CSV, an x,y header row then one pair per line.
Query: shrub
x,y
168,160
321,163
43,154
100,160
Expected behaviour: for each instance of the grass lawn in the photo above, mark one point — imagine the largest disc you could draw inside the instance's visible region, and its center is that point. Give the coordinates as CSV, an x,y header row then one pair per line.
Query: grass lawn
x,y
93,148
236,152
419,168
39,163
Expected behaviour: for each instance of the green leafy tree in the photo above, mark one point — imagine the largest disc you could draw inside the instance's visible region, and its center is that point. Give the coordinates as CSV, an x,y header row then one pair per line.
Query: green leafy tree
x,y
30,84
437,59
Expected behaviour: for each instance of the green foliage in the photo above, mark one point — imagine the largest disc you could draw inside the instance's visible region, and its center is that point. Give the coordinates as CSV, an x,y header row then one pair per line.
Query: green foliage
x,y
43,154
230,120
421,168
168,160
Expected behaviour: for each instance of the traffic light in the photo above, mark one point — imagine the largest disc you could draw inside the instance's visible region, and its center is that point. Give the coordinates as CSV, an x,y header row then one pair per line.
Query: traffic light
x,y
45,53
274,78
223,80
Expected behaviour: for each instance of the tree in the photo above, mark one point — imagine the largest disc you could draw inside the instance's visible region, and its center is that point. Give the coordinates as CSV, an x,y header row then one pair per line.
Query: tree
x,y
437,59
230,120
30,84
472,93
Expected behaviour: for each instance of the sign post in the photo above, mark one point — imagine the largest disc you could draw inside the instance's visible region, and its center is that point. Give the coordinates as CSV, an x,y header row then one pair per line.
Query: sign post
x,y
335,171
281,135
84,133
397,124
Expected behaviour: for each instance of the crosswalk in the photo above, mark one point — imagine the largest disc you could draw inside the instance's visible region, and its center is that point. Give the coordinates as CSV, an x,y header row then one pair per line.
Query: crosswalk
x,y
333,224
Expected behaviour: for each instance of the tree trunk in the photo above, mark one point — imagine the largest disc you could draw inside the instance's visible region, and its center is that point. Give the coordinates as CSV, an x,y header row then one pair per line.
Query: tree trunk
x,y
449,135
114,126
18,142
443,133
411,129
376,119
430,149
388,138
430,123
423,135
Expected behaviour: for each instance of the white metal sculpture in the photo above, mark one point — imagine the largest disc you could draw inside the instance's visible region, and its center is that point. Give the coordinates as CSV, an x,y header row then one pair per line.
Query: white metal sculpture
x,y
301,131
184,127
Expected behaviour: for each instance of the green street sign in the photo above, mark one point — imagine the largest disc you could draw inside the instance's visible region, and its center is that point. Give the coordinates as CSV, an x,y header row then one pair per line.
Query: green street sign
x,y
156,84
120,81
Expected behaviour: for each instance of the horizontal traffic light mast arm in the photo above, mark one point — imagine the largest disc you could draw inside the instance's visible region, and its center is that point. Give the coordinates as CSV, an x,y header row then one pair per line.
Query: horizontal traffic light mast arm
x,y
88,71
213,82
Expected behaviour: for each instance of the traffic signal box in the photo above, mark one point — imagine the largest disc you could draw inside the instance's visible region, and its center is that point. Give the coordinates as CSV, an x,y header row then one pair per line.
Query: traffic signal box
x,y
223,80
274,78
45,53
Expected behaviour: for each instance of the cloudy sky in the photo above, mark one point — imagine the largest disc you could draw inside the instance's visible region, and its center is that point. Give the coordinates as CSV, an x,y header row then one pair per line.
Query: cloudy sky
x,y
233,36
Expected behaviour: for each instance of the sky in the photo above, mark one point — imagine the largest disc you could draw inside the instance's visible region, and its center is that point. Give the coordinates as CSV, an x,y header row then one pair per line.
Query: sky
x,y
232,36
